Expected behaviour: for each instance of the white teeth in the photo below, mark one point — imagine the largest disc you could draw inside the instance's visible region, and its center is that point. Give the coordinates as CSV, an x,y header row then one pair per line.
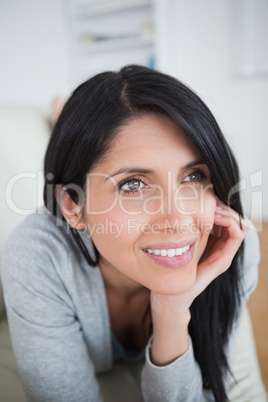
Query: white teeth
x,y
178,251
171,252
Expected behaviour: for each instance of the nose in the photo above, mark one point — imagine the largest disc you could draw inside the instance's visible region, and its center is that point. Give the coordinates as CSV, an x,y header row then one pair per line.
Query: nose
x,y
174,208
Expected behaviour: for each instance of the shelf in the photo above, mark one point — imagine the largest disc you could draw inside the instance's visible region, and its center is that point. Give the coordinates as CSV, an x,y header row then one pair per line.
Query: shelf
x,y
109,34
120,44
109,8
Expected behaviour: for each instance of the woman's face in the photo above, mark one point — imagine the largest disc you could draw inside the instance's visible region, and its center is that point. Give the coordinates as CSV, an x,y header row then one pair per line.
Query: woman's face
x,y
150,207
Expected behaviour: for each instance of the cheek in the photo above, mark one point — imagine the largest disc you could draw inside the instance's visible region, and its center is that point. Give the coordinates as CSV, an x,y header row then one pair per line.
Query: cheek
x,y
113,231
206,208
205,220
194,199
98,205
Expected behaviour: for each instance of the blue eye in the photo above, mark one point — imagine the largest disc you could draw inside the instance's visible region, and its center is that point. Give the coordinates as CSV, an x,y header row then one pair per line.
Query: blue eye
x,y
195,177
131,185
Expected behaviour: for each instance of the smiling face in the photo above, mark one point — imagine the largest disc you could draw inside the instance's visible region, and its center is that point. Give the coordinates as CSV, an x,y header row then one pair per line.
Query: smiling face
x,y
150,208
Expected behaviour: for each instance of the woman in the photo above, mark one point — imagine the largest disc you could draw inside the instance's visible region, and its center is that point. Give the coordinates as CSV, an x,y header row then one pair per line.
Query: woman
x,y
138,253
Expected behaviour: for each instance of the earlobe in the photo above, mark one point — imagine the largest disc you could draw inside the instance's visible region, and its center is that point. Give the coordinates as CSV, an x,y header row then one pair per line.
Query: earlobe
x,y
69,209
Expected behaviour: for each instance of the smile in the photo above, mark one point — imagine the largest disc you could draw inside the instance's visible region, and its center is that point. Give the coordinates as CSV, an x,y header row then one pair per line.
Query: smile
x,y
171,252
169,256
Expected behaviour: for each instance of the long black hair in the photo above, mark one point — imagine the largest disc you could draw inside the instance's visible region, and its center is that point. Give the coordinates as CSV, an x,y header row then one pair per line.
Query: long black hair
x,y
90,120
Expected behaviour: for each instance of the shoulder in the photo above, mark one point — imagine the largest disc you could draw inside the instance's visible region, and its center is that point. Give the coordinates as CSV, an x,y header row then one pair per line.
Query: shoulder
x,y
251,260
36,233
40,246
42,265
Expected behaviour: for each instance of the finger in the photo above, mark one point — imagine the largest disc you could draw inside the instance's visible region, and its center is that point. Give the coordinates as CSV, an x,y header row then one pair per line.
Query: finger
x,y
228,233
226,213
221,212
230,227
217,231
224,244
228,245
223,209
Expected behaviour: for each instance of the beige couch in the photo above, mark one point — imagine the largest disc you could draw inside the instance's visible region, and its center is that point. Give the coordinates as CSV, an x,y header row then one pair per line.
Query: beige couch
x,y
24,133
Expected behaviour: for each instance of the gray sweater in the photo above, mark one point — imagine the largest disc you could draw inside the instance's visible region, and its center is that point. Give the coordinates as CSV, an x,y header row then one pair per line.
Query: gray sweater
x,y
59,320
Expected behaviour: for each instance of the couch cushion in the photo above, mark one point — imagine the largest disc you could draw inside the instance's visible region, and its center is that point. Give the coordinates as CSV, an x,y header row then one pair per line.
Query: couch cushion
x,y
24,134
11,389
2,307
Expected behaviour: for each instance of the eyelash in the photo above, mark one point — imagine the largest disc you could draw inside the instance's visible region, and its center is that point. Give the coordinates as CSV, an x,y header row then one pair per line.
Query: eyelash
x,y
120,185
203,177
202,173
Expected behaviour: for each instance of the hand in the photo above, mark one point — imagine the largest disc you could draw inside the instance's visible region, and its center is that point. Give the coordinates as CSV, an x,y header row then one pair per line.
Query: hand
x,y
171,314
228,233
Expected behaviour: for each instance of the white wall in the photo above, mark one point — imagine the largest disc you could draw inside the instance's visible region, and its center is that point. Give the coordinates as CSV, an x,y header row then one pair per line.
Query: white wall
x,y
202,53
35,59
196,43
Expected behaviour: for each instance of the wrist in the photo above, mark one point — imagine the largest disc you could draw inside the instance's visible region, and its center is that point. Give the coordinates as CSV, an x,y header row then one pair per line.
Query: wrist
x,y
170,339
167,318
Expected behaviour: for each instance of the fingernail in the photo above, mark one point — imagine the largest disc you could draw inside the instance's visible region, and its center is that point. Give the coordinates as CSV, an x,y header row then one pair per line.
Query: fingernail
x,y
219,207
218,216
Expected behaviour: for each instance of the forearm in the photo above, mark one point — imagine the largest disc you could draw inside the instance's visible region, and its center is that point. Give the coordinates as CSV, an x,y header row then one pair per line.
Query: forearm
x,y
170,337
171,373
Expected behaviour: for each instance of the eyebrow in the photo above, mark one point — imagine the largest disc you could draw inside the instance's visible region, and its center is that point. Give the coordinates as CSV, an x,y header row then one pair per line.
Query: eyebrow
x,y
150,171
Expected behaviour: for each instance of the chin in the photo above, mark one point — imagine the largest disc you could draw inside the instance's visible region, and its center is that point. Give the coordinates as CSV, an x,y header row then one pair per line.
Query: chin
x,y
176,286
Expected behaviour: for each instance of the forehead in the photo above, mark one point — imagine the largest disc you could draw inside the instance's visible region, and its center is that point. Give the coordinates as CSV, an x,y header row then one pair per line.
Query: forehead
x,y
159,129
148,139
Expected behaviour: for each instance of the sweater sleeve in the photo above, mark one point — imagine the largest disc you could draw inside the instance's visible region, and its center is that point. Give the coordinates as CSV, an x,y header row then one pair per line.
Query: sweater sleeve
x,y
181,380
178,381
47,339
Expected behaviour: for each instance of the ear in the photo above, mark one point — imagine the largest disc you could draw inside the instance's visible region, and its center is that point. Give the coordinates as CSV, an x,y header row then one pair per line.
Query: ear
x,y
69,209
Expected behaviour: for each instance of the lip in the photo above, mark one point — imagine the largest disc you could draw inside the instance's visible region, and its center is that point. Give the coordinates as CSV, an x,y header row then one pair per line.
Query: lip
x,y
168,245
178,261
